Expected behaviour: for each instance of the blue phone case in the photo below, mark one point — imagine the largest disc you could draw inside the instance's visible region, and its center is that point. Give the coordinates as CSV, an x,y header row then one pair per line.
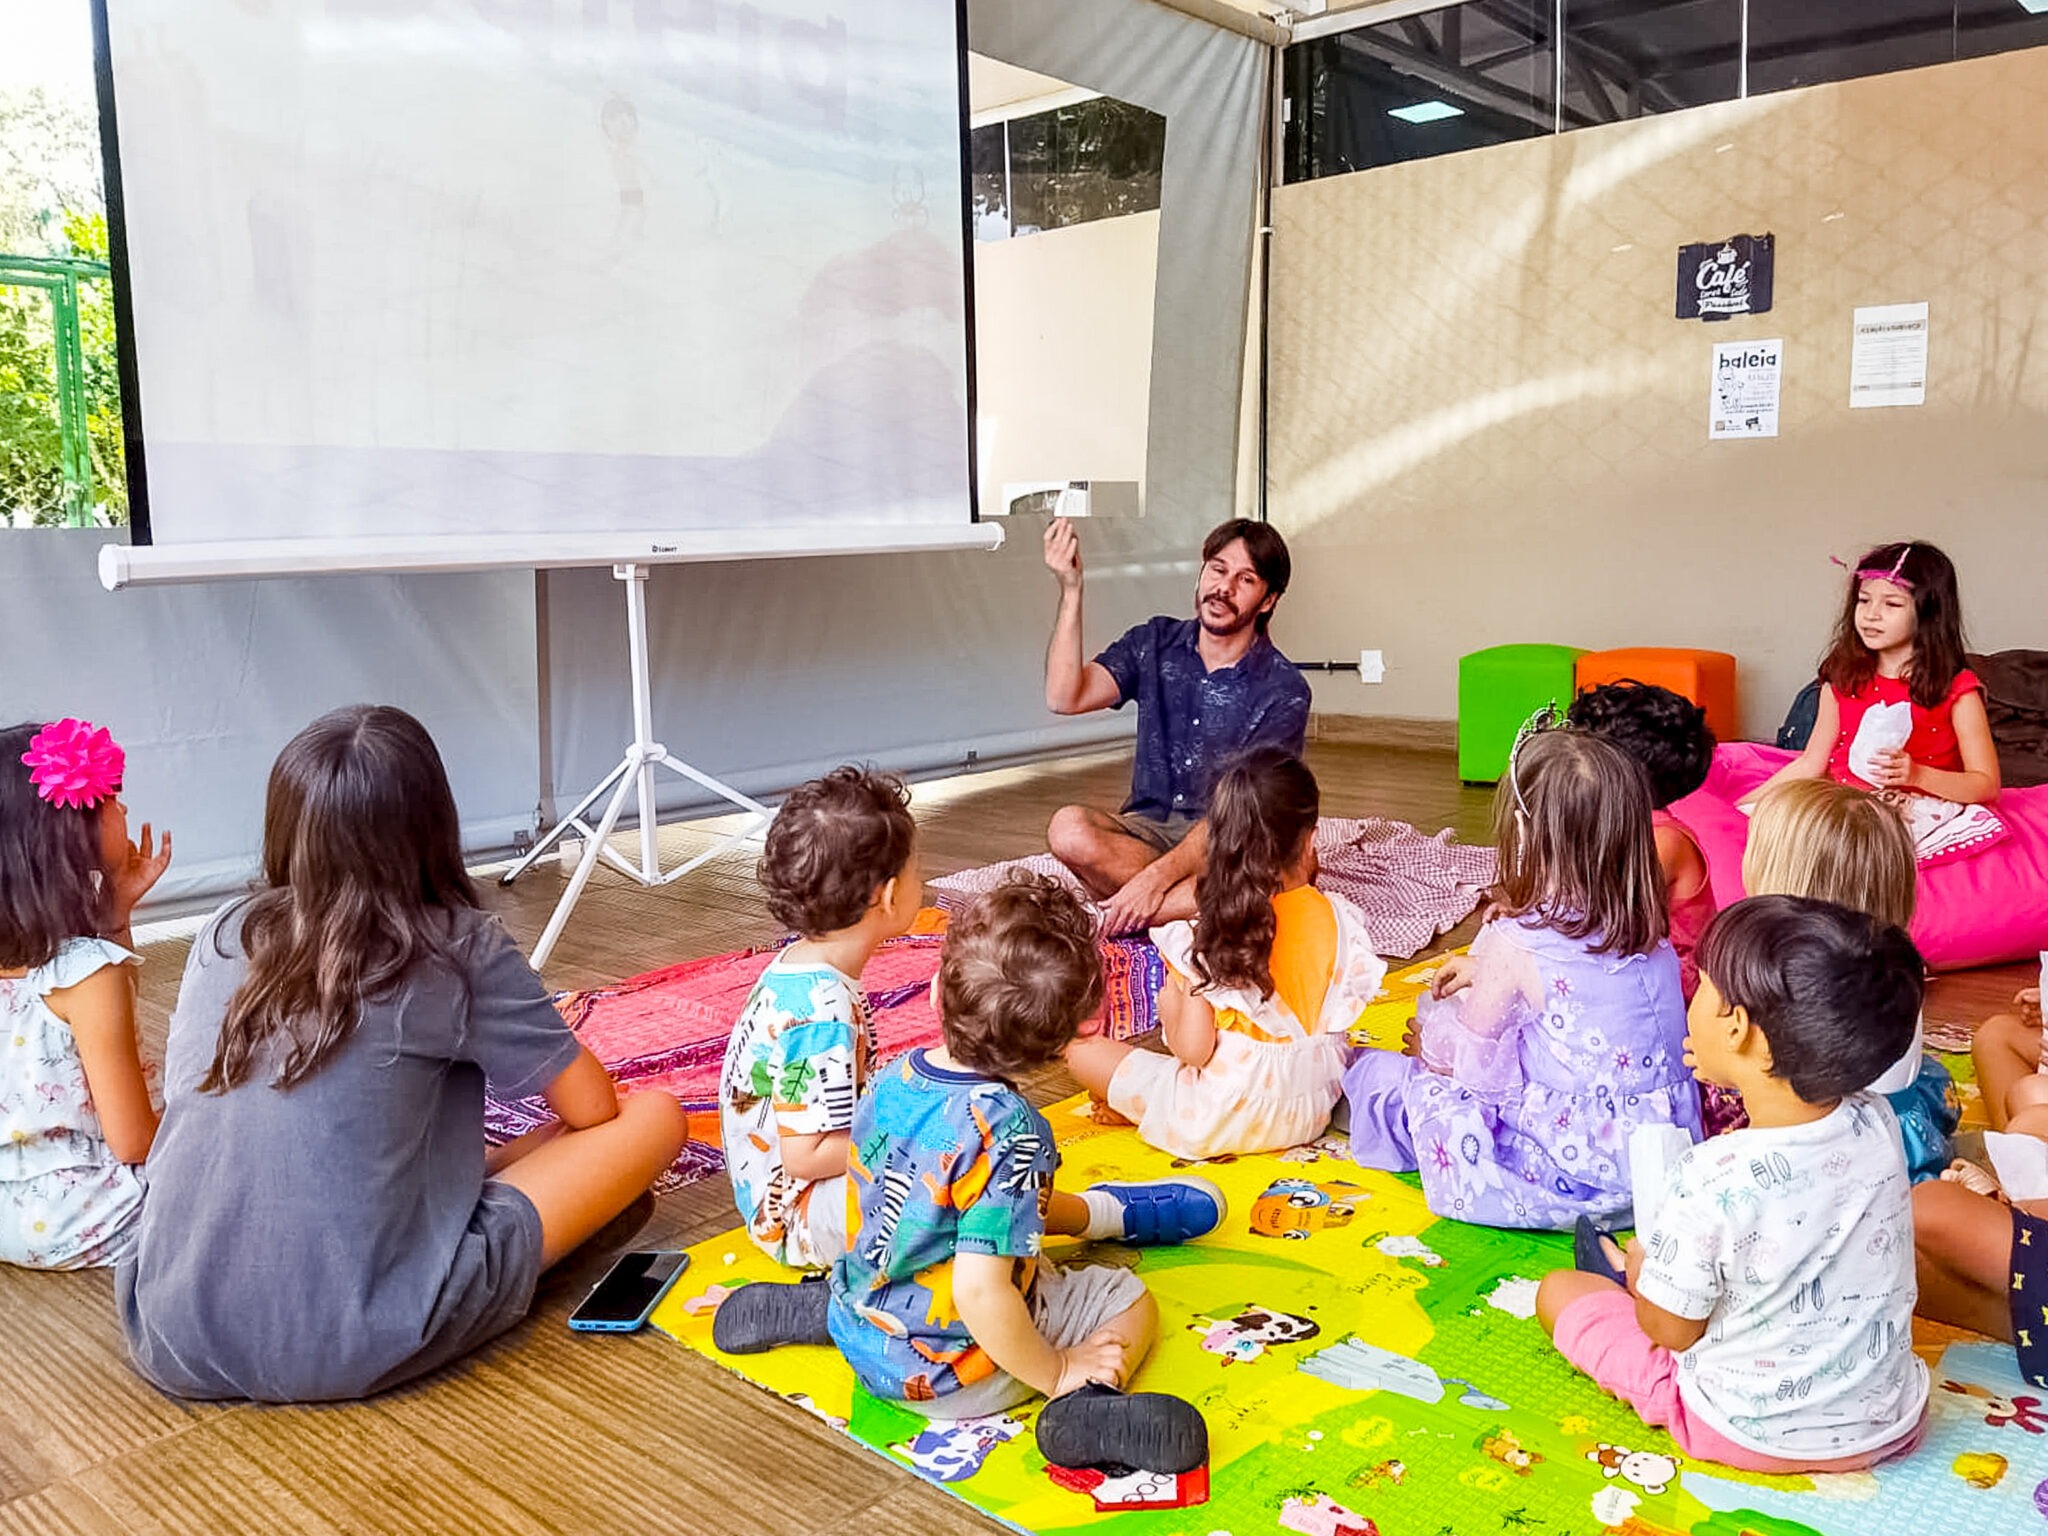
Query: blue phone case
x,y
625,1325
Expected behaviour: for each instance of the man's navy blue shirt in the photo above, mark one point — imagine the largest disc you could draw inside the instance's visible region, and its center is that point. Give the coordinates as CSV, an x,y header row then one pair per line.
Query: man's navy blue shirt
x,y
1194,723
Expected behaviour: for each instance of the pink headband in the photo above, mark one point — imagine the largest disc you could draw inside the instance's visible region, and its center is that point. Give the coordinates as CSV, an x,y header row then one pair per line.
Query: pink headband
x,y
75,764
1872,573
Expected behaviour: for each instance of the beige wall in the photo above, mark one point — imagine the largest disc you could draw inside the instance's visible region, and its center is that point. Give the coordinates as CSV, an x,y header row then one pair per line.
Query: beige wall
x,y
1487,426
1063,353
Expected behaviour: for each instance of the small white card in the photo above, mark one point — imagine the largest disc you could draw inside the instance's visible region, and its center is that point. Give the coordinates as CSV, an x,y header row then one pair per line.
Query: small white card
x,y
2021,1163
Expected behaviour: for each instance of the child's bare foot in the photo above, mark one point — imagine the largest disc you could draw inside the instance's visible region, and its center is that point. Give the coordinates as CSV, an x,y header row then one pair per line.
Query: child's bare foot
x,y
1100,1112
1976,1179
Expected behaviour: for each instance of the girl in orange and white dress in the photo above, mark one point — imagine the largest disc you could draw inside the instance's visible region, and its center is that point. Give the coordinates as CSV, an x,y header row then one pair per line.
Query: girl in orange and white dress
x,y
1261,990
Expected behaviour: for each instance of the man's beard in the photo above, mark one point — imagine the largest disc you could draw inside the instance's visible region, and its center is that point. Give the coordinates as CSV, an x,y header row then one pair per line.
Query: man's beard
x,y
1222,620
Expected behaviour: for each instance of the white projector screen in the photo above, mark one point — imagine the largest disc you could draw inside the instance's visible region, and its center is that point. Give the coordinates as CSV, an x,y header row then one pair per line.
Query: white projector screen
x,y
438,277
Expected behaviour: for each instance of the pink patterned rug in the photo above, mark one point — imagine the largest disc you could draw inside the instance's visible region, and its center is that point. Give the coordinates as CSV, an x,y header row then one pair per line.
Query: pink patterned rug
x,y
1410,887
667,1029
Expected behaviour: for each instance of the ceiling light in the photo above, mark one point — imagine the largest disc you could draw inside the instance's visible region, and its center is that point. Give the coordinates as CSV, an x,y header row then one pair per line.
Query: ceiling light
x,y
2035,7
1437,111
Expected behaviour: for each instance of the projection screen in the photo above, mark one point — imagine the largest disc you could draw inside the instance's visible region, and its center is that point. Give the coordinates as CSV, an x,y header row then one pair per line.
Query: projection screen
x,y
410,284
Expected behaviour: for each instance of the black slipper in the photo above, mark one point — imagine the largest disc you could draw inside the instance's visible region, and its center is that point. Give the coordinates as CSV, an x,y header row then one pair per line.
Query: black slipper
x,y
1098,1426
769,1313
1588,1255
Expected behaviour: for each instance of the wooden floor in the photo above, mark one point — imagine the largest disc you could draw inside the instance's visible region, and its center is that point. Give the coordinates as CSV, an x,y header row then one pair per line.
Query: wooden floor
x,y
547,1431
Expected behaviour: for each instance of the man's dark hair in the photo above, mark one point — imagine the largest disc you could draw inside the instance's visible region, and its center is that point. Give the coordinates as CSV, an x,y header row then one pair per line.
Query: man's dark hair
x,y
835,842
1664,731
1836,992
1263,546
1018,976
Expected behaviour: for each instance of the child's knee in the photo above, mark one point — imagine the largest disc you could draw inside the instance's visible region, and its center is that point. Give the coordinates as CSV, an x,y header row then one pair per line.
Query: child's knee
x,y
1561,1289
660,1116
2004,1036
1942,1210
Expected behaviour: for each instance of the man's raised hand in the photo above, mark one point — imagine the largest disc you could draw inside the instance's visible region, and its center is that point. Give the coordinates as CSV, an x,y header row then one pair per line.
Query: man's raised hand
x,y
1063,552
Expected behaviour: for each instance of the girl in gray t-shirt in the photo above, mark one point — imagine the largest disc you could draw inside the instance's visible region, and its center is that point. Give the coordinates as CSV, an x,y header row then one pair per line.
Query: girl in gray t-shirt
x,y
322,1220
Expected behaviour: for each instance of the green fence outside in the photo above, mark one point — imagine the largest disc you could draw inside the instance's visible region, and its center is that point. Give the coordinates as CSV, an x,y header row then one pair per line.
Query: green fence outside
x,y
59,277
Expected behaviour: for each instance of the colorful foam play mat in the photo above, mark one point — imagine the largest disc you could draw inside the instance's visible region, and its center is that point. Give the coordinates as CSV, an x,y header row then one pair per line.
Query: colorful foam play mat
x,y
1364,1367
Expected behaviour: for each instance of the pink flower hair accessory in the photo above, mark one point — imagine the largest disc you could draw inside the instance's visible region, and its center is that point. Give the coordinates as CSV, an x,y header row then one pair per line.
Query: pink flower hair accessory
x,y
75,764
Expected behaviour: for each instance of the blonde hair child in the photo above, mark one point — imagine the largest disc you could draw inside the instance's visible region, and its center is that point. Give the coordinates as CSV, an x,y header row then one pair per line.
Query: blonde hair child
x,y
1831,842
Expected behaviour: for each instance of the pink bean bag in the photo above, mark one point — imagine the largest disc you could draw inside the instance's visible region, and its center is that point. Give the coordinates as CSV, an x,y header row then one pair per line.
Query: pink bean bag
x,y
1986,909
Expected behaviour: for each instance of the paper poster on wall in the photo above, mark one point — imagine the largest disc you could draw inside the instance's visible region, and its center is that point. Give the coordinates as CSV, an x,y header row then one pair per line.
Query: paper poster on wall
x,y
1720,279
1888,361
1743,401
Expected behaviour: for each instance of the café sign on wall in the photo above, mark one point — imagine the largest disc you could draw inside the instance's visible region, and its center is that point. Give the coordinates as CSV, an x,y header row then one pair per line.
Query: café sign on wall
x,y
1720,279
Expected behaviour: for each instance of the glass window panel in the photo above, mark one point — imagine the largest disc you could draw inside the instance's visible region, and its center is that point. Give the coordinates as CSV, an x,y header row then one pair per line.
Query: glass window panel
x,y
1094,159
1627,58
1106,158
1993,26
1461,78
1805,42
989,176
1031,171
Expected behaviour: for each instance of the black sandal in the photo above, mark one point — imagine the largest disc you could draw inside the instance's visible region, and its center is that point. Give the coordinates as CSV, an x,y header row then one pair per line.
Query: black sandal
x,y
1098,1426
1589,1256
771,1313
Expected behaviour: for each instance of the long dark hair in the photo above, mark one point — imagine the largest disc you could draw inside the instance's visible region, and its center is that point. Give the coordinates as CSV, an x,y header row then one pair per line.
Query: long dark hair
x,y
1577,853
1938,645
362,868
1264,809
53,875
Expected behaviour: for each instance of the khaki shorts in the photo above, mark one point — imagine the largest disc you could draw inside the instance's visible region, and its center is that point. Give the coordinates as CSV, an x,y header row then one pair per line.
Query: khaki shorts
x,y
1068,1306
1161,836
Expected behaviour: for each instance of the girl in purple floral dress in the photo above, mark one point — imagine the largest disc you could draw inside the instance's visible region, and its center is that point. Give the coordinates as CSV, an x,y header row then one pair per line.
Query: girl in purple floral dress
x,y
1537,1055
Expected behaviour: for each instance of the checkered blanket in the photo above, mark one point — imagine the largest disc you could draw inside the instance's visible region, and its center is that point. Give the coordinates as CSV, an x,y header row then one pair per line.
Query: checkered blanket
x,y
1410,887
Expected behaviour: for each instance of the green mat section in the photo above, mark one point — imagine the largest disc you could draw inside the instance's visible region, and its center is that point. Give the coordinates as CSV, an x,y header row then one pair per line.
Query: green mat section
x,y
1424,1399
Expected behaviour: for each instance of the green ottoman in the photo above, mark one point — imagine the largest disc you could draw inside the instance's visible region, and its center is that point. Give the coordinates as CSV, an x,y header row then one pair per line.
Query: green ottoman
x,y
1498,689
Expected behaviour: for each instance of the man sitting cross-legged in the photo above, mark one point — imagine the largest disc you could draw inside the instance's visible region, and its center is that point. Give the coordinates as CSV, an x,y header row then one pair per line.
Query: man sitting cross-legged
x,y
1208,689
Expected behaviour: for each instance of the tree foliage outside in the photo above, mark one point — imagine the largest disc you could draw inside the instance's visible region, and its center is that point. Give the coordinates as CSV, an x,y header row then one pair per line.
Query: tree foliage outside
x,y
51,204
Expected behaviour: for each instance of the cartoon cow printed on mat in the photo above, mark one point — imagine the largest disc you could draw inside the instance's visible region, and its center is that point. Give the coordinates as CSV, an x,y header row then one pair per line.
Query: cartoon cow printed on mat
x,y
953,1451
1647,1470
1245,1336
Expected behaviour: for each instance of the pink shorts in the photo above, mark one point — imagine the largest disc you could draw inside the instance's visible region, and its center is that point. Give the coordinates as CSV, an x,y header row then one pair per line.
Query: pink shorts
x,y
1599,1335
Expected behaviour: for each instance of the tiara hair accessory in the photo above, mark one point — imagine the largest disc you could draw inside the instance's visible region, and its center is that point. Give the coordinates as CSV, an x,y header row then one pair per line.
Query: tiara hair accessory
x,y
1872,573
1544,719
75,764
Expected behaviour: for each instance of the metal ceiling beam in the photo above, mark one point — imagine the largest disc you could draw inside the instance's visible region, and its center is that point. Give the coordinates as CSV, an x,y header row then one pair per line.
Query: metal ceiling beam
x,y
1463,83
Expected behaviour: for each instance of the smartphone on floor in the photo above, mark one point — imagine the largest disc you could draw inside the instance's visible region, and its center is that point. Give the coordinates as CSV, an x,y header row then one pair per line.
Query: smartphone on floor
x,y
622,1300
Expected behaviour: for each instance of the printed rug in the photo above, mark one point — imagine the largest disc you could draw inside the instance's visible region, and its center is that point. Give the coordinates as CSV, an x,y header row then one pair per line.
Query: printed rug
x,y
1366,1368
1410,887
667,1029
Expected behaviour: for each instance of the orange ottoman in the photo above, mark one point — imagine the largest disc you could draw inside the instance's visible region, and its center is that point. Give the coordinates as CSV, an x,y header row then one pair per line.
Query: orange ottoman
x,y
1705,677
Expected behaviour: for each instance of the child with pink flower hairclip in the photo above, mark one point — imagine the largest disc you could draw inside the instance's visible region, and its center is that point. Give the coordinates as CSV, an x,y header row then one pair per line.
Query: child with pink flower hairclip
x,y
76,1115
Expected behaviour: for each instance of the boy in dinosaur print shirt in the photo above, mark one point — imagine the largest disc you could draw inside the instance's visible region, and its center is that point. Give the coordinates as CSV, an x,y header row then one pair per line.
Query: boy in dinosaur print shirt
x,y
943,1302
